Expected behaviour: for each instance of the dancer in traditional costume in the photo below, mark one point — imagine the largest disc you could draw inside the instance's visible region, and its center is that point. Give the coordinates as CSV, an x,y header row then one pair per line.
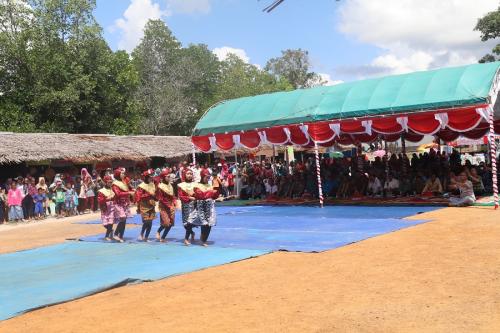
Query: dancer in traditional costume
x,y
106,200
145,196
205,195
189,212
123,194
166,203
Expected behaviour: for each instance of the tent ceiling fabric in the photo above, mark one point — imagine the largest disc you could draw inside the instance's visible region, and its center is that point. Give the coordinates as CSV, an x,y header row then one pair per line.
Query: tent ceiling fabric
x,y
446,102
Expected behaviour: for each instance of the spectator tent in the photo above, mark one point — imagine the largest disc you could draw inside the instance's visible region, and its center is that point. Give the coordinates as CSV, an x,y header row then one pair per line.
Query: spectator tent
x,y
447,103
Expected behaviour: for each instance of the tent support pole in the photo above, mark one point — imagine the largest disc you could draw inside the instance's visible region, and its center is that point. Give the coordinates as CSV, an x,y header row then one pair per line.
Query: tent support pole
x,y
318,174
403,149
493,154
194,156
386,159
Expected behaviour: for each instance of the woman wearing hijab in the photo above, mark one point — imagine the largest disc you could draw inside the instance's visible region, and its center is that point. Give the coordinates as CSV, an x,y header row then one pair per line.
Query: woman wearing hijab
x,y
105,198
145,196
123,195
189,212
205,195
166,203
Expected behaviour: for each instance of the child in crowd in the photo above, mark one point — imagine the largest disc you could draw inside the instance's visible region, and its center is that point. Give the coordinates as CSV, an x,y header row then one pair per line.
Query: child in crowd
x,y
39,200
69,203
14,200
59,199
75,202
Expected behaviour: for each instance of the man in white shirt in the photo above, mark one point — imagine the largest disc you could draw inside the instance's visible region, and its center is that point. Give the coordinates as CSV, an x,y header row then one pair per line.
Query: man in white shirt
x,y
391,186
196,173
374,186
271,188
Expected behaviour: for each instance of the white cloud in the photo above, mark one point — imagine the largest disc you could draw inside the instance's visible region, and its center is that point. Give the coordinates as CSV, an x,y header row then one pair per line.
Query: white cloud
x,y
189,6
223,52
135,17
416,35
328,79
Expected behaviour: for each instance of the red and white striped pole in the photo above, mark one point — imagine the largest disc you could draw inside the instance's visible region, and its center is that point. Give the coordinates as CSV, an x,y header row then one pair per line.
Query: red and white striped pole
x,y
194,156
318,174
493,154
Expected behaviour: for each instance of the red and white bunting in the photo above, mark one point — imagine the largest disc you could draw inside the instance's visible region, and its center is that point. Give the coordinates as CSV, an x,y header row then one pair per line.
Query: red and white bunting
x,y
448,125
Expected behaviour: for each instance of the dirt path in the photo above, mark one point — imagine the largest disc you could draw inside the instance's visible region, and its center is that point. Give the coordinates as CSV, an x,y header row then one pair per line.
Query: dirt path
x,y
23,236
442,276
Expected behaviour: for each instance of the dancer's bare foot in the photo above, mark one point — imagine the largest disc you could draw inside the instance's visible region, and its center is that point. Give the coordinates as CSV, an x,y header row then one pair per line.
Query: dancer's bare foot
x,y
107,239
186,242
118,239
158,236
163,240
205,244
140,238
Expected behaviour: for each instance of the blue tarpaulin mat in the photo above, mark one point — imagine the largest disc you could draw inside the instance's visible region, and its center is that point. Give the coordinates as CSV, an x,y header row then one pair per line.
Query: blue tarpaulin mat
x,y
293,228
54,274
375,212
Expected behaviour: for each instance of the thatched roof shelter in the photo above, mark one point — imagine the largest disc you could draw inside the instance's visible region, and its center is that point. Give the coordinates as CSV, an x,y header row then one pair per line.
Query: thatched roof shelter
x,y
89,148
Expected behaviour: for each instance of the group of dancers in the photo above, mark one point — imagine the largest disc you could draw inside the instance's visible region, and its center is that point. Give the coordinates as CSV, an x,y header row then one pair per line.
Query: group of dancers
x,y
197,202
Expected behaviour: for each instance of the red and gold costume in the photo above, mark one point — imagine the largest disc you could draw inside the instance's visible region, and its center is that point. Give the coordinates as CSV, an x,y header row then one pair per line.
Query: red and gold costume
x,y
106,198
145,196
205,195
166,200
123,193
185,191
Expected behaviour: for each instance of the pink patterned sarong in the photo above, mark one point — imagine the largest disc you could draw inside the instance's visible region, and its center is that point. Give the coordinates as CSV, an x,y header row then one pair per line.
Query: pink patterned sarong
x,y
122,210
108,216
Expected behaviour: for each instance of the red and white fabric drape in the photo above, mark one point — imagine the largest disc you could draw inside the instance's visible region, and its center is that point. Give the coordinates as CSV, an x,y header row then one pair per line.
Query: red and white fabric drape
x,y
471,122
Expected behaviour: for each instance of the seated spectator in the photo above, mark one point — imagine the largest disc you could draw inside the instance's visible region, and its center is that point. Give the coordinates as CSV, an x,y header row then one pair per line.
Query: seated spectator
x,y
405,186
374,187
419,182
391,186
344,187
256,189
433,186
284,188
451,183
476,180
467,197
271,188
298,187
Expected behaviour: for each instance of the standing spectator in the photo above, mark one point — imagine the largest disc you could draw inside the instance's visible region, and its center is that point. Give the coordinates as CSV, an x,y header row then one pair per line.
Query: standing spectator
x,y
69,203
78,188
3,204
39,199
45,190
59,198
14,200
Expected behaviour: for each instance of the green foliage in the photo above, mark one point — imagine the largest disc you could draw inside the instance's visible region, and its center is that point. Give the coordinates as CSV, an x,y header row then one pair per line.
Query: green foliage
x,y
240,79
489,26
58,74
295,66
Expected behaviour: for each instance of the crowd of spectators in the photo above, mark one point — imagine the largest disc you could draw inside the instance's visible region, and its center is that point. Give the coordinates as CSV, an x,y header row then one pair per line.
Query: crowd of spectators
x,y
429,174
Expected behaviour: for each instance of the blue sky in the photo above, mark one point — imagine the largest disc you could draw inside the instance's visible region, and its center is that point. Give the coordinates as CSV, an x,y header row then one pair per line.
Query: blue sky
x,y
347,39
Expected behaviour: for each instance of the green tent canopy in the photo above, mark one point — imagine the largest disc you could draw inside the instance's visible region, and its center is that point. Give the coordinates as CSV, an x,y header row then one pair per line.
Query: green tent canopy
x,y
391,95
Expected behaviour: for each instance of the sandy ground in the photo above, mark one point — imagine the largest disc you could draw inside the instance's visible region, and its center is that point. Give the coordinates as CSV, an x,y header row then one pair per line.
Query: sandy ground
x,y
442,276
28,235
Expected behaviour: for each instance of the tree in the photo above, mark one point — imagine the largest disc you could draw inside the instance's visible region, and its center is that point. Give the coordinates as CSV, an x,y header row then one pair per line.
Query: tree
x,y
57,71
294,65
162,82
489,26
239,79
